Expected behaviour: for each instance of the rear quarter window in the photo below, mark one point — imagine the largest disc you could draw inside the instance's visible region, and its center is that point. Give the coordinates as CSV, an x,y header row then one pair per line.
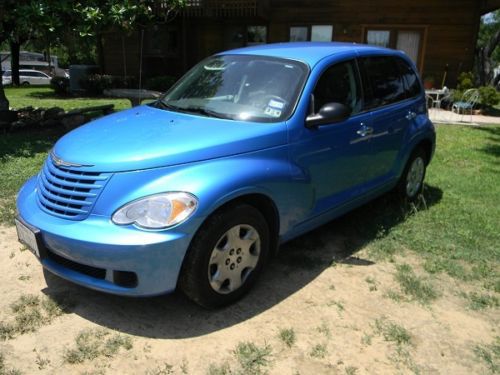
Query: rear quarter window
x,y
410,78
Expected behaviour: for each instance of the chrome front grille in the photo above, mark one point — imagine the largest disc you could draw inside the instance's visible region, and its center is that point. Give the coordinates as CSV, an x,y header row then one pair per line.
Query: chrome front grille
x,y
68,192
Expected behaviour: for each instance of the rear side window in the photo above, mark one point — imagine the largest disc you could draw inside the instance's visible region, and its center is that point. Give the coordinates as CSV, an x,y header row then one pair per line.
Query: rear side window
x,y
410,78
382,83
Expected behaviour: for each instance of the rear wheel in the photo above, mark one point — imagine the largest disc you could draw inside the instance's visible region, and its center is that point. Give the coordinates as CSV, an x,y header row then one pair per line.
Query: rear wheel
x,y
411,184
226,256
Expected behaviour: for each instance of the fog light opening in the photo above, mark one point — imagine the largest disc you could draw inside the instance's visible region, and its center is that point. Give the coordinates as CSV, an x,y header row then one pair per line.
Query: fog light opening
x,y
125,279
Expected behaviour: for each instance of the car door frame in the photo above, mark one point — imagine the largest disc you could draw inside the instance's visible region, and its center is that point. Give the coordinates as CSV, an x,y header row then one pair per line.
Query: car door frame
x,y
339,201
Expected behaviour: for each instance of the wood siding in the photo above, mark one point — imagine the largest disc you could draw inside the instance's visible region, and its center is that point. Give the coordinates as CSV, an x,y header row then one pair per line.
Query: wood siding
x,y
449,29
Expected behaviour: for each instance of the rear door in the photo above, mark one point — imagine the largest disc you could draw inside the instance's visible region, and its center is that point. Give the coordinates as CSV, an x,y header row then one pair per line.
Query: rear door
x,y
392,112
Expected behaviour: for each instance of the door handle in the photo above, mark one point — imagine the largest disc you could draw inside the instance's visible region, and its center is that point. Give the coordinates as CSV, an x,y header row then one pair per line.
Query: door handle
x,y
411,115
364,131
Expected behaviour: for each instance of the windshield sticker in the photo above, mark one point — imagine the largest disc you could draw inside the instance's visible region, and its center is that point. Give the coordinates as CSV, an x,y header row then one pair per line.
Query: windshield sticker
x,y
272,112
276,104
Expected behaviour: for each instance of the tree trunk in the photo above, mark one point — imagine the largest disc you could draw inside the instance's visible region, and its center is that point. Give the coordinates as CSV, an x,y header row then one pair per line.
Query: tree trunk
x,y
100,53
483,60
4,102
15,48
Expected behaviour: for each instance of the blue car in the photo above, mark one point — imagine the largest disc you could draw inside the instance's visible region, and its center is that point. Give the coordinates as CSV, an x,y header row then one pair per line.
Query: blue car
x,y
251,148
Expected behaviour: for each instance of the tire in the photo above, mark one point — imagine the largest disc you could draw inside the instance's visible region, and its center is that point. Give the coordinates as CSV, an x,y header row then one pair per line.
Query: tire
x,y
25,83
411,183
226,256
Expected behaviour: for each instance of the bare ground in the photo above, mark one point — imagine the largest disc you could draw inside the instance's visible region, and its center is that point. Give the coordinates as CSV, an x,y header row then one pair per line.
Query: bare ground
x,y
334,307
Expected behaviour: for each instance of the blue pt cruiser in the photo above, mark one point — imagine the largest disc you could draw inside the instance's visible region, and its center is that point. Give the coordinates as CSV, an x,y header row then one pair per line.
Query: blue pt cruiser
x,y
251,148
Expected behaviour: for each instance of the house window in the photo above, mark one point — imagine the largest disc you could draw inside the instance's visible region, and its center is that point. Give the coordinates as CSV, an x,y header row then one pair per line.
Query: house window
x,y
299,33
313,33
256,35
407,40
321,33
379,38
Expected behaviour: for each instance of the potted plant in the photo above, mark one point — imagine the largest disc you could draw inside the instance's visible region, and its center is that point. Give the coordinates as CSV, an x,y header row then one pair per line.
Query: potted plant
x,y
429,82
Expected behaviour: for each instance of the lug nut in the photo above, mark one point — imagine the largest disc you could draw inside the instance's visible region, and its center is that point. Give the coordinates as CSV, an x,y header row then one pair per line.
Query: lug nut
x,y
227,261
232,266
238,260
231,252
238,251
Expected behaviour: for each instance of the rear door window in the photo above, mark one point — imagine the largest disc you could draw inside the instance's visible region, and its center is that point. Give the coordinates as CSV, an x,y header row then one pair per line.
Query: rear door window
x,y
382,84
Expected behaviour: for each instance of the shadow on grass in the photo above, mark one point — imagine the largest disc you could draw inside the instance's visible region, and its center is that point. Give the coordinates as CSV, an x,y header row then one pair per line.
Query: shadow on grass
x,y
28,143
492,148
298,263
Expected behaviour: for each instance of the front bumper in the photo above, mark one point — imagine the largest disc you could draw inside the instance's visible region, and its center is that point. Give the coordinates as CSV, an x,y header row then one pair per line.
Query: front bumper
x,y
155,257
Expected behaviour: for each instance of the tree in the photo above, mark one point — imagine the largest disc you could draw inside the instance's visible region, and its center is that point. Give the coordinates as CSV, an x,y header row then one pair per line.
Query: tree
x,y
487,48
124,15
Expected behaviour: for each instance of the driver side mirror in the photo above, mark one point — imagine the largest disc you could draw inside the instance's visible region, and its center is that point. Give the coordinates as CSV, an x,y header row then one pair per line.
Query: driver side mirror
x,y
330,113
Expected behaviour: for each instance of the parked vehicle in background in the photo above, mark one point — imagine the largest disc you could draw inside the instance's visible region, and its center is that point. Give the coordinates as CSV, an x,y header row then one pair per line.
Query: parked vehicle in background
x,y
251,148
34,61
27,77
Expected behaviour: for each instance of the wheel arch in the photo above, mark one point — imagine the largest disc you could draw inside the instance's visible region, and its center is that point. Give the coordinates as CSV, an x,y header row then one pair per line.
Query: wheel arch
x,y
265,205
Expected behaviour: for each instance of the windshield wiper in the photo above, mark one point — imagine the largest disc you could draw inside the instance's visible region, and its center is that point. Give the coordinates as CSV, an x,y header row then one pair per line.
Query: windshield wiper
x,y
206,112
162,104
200,110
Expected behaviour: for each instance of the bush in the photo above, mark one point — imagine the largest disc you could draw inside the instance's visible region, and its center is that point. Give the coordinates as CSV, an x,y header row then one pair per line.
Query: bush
x,y
95,84
60,85
160,83
465,81
488,96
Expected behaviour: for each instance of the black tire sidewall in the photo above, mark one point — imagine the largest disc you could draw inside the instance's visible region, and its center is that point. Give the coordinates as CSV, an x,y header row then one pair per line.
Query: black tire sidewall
x,y
194,280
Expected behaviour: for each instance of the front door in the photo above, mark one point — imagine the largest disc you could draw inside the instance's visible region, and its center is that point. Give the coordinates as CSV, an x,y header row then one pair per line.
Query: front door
x,y
335,157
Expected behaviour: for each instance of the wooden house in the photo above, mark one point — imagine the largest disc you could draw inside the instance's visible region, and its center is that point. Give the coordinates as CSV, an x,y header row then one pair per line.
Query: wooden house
x,y
439,35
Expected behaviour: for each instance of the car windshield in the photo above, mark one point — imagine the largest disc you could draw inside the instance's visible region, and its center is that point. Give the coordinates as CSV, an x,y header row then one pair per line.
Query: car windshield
x,y
239,87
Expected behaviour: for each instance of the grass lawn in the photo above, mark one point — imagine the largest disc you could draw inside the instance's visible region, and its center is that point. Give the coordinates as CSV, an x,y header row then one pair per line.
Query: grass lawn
x,y
44,97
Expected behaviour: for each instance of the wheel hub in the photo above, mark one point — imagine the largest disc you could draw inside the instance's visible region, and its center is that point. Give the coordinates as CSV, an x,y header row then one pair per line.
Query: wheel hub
x,y
414,177
233,258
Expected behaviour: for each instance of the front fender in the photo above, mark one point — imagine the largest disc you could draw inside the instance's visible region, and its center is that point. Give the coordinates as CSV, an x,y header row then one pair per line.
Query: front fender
x,y
216,182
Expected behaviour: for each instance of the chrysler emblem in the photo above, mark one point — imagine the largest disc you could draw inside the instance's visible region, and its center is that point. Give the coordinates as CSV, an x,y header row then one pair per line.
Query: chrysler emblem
x,y
61,163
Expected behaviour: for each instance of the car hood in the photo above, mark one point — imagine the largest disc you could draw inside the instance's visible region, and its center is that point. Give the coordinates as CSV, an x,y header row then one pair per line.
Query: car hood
x,y
147,137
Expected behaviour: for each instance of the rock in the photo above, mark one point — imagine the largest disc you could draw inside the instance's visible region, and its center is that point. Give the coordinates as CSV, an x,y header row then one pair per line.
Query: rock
x,y
52,113
73,121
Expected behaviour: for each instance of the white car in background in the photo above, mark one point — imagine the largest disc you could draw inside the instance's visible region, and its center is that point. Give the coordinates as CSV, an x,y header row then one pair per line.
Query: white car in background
x,y
27,77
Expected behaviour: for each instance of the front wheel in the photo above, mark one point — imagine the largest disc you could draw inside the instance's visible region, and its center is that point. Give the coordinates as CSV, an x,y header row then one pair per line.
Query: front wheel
x,y
226,256
411,183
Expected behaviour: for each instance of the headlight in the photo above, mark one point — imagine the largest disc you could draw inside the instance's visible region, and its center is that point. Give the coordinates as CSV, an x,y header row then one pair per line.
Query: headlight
x,y
157,211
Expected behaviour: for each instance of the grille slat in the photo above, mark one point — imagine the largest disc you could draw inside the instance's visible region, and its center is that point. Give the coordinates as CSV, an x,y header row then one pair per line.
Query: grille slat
x,y
59,198
71,183
52,187
69,192
66,173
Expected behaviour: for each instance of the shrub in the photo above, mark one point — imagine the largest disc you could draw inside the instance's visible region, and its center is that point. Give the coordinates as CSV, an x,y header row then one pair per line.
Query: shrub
x,y
95,84
488,96
465,81
160,83
60,85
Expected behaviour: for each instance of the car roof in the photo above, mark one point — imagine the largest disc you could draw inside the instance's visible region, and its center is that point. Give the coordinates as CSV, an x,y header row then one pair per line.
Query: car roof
x,y
24,70
309,52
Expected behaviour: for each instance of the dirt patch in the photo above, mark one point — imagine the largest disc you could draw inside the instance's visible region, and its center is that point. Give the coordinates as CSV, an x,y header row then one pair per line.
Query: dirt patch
x,y
342,319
